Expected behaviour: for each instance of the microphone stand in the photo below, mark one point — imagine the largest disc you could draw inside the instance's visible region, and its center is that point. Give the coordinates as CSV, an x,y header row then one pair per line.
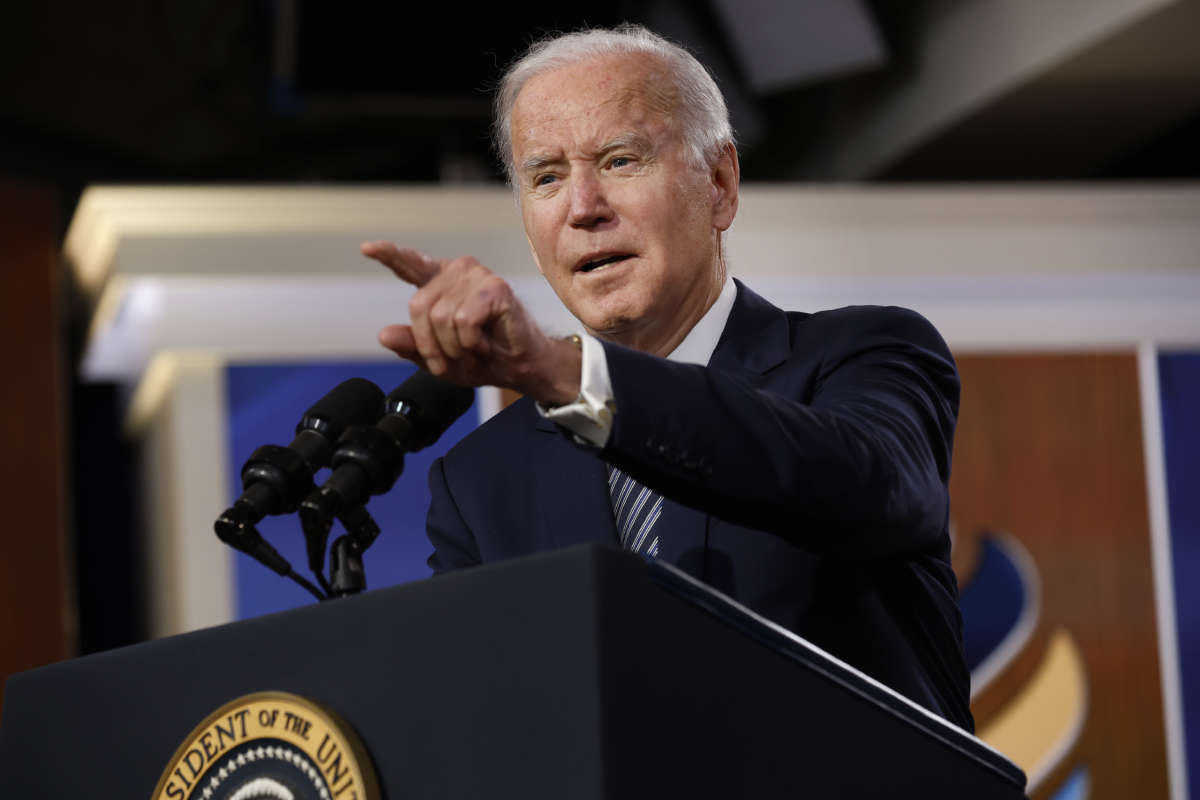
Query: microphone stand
x,y
347,573
346,570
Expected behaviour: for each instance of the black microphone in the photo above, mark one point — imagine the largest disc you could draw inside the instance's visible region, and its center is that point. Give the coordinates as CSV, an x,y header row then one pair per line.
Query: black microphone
x,y
368,460
275,479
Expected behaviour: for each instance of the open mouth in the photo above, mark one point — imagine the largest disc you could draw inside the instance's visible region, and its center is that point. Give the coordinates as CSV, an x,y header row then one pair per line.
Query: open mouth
x,y
600,263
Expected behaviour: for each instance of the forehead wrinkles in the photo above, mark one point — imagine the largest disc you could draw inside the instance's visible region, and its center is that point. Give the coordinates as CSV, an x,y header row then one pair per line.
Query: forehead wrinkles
x,y
628,90
655,92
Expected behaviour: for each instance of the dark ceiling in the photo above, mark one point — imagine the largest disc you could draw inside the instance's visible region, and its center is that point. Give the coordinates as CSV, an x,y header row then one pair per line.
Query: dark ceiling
x,y
300,90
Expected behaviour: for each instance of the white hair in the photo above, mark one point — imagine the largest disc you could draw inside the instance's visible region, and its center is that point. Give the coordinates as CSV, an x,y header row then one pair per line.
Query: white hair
x,y
699,107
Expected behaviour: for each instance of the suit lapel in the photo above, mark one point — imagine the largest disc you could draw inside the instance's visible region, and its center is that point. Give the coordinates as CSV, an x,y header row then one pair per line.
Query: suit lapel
x,y
754,341
756,337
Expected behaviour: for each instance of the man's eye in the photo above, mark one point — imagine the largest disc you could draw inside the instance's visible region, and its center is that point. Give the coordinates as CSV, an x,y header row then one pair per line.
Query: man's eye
x,y
542,180
620,161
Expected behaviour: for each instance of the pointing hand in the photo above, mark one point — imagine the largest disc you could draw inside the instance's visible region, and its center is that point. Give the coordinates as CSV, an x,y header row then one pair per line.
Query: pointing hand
x,y
468,327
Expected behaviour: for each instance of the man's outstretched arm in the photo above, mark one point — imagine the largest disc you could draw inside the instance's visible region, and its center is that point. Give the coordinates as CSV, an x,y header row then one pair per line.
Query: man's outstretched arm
x,y
850,458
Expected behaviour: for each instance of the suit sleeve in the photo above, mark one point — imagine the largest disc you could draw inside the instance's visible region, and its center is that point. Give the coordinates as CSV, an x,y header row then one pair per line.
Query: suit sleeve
x,y
847,455
454,545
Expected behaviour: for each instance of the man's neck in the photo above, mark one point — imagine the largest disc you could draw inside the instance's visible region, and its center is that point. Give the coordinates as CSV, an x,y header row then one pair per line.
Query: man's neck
x,y
660,338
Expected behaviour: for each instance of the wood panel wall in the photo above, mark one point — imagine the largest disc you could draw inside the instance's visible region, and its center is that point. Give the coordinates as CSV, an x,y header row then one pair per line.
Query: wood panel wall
x,y
36,617
1049,449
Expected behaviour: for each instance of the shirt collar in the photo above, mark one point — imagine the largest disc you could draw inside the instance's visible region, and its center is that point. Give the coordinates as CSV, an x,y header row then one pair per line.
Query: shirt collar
x,y
698,346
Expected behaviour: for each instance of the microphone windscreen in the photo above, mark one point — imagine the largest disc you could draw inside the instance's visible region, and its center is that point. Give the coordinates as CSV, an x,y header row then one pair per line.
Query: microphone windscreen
x,y
353,402
430,405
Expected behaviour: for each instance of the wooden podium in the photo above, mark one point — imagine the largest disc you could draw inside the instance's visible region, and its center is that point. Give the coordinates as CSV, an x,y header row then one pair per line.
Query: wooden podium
x,y
582,673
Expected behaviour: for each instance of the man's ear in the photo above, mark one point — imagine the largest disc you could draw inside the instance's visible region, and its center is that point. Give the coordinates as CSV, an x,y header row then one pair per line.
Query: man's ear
x,y
726,174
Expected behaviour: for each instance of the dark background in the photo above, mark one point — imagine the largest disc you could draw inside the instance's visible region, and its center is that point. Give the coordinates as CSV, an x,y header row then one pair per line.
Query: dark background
x,y
220,90
214,91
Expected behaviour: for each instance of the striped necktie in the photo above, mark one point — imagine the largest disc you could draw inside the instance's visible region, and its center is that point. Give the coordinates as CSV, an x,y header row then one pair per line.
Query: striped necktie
x,y
635,509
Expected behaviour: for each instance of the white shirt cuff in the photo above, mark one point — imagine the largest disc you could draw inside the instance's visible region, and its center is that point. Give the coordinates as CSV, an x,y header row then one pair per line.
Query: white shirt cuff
x,y
590,417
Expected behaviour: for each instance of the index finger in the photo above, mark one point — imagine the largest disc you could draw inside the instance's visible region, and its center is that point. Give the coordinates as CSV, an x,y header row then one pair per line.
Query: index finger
x,y
409,265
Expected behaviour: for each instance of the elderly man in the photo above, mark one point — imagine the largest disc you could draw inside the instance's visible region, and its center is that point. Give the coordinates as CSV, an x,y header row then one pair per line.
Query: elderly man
x,y
796,461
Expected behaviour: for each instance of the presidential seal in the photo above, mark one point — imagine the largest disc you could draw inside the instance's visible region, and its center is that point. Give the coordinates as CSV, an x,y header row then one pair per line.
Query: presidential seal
x,y
270,746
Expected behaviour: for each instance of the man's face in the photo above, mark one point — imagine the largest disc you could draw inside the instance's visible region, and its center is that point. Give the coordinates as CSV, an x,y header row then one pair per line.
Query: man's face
x,y
623,227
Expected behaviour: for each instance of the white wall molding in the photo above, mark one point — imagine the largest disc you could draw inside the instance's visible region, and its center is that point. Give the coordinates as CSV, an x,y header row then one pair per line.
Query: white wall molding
x,y
274,272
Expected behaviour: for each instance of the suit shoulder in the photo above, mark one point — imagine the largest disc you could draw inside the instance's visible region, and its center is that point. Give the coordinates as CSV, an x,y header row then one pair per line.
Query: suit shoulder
x,y
880,325
869,317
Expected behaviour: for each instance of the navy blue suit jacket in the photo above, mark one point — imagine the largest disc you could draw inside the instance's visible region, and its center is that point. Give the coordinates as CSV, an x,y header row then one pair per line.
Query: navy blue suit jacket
x,y
805,474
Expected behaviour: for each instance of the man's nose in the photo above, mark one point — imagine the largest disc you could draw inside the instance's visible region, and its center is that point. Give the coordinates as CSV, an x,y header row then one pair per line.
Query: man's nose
x,y
589,205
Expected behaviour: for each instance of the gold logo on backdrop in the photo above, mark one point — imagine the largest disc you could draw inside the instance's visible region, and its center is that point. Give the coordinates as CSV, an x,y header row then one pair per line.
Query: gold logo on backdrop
x,y
270,745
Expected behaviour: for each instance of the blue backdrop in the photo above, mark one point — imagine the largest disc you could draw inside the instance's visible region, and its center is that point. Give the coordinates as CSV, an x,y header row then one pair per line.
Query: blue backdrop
x,y
264,404
1179,389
